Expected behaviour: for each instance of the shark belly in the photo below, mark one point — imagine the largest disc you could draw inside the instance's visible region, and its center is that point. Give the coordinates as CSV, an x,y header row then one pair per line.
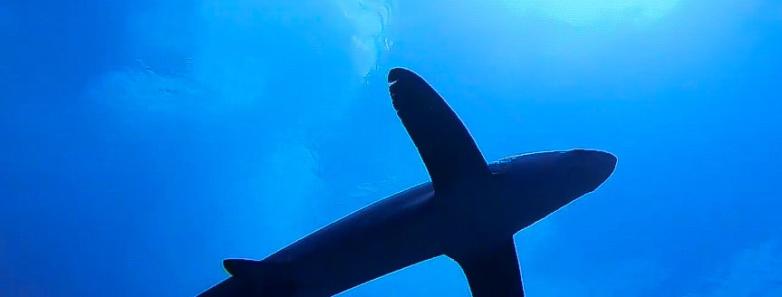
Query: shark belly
x,y
471,218
386,236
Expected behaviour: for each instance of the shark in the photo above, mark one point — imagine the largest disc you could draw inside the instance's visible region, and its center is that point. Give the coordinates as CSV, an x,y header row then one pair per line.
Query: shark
x,y
469,212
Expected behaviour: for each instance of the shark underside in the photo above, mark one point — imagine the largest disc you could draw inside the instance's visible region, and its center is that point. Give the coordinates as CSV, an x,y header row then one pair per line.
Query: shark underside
x,y
469,212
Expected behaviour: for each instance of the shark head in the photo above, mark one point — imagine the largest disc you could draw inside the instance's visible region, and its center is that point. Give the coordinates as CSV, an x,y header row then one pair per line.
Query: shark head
x,y
547,181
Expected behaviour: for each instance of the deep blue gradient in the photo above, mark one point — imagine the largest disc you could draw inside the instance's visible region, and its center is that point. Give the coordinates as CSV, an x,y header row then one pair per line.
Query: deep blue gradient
x,y
142,142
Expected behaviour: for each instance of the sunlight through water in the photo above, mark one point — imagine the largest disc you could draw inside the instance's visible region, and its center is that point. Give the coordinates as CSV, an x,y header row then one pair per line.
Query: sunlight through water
x,y
582,13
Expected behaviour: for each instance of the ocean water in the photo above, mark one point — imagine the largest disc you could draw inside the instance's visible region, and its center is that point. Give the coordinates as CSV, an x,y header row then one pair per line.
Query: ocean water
x,y
141,142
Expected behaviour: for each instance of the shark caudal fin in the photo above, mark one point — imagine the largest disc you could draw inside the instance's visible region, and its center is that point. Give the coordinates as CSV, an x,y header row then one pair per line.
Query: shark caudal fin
x,y
252,278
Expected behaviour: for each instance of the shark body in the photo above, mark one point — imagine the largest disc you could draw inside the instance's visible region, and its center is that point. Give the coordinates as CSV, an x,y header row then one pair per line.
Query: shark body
x,y
469,212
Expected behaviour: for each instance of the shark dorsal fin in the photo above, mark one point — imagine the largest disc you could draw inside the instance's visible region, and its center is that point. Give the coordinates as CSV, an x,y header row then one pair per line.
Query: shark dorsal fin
x,y
243,267
446,147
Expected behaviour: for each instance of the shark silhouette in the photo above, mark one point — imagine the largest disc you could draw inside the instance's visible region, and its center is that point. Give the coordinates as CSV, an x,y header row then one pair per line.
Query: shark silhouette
x,y
468,212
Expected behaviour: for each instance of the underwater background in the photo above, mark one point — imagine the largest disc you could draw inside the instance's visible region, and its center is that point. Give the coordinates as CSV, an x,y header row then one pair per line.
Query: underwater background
x,y
141,142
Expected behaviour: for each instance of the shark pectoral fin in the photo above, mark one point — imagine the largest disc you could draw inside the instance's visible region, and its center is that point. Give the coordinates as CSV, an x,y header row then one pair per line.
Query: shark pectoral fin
x,y
494,272
446,147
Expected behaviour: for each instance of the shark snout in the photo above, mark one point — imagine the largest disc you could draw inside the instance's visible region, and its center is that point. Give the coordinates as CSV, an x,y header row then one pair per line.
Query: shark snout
x,y
596,165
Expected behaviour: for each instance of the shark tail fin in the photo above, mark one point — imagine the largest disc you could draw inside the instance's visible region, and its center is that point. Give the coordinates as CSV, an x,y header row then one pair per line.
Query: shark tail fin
x,y
253,278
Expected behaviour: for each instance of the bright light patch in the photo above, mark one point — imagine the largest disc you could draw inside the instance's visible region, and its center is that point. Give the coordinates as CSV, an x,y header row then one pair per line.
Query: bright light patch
x,y
369,19
583,12
144,89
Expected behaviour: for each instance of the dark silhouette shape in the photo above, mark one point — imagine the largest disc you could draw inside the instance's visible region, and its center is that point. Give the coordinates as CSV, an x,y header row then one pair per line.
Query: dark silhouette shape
x,y
469,212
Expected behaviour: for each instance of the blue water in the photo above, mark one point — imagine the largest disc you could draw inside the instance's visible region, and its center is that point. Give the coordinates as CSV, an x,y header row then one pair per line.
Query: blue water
x,y
142,142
